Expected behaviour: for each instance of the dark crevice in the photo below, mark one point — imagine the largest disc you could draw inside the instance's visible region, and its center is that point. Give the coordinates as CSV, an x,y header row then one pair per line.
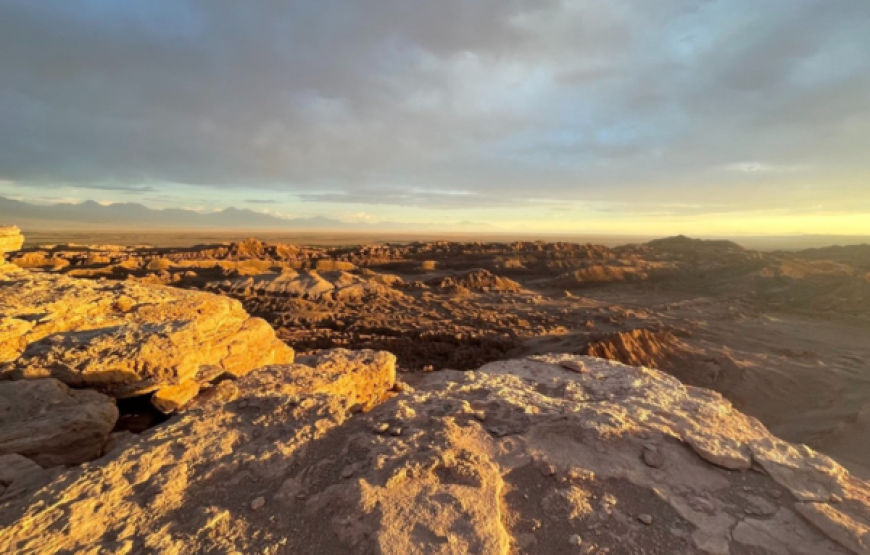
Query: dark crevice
x,y
137,414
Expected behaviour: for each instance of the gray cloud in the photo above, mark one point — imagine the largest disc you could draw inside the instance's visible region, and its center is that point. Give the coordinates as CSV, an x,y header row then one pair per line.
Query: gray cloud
x,y
443,104
129,189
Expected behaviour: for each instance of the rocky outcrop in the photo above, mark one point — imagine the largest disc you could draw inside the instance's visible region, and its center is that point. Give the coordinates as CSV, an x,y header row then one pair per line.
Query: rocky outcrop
x,y
126,339
308,284
10,239
615,271
686,245
31,260
854,255
639,347
476,280
290,283
556,454
51,424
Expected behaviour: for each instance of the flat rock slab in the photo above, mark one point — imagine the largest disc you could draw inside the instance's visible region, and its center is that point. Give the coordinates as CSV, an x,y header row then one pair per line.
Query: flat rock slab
x,y
126,339
522,456
51,424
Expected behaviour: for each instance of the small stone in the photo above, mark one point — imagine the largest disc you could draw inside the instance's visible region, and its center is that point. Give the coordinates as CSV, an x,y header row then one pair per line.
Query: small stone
x,y
652,457
548,470
396,431
575,540
702,504
258,503
381,428
347,472
573,366
645,518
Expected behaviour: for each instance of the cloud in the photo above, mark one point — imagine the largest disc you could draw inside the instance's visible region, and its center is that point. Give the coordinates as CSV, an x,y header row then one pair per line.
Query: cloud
x,y
762,167
261,201
358,217
127,189
397,102
117,187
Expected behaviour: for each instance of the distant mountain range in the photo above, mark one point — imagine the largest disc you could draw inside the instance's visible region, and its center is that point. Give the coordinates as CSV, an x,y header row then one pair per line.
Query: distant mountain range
x,y
95,215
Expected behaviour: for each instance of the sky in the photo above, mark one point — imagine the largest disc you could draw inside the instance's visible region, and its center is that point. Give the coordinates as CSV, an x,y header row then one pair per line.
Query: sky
x,y
610,116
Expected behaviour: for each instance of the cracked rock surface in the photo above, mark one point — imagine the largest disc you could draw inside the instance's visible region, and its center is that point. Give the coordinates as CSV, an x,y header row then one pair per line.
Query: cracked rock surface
x,y
52,424
521,456
127,339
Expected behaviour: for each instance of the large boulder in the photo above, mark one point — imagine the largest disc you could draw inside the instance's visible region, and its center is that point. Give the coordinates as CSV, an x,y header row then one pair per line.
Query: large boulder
x,y
555,454
51,424
19,474
126,339
10,239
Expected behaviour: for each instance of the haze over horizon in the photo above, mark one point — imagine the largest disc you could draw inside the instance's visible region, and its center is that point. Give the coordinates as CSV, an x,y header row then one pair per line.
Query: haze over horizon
x,y
679,116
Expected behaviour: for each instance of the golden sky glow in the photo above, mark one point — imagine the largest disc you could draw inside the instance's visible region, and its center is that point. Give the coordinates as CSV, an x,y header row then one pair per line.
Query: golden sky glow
x,y
587,116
